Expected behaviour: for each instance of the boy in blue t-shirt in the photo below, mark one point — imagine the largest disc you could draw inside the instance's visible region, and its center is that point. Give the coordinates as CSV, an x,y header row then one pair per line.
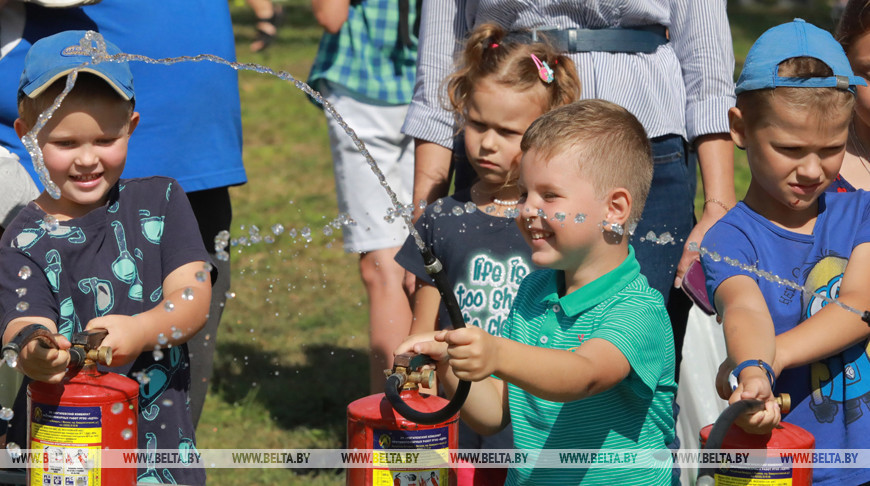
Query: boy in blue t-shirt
x,y
121,255
586,360
794,104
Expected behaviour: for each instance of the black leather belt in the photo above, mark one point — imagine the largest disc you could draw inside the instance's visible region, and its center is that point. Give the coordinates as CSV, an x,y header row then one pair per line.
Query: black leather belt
x,y
643,38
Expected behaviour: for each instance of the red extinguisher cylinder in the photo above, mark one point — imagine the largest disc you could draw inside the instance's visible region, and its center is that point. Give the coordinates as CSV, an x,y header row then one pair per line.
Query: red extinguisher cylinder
x,y
373,424
73,421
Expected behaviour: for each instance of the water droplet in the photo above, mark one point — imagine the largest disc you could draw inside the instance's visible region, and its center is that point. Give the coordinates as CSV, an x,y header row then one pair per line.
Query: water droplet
x,y
457,211
157,354
21,292
651,236
693,246
511,213
277,229
292,232
222,256
22,306
117,408
421,204
490,209
187,294
14,450
631,228
168,306
327,230
162,339
201,276
230,294
580,218
6,414
166,402
470,207
560,216
617,228
50,223
542,214
177,334
306,233
24,273
665,238
10,357
127,434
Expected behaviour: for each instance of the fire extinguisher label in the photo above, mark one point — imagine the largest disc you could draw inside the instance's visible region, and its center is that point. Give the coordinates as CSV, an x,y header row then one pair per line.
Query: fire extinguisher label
x,y
393,469
769,476
70,439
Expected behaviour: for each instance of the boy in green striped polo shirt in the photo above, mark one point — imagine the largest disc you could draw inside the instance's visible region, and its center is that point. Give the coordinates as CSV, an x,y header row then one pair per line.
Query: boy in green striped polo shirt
x,y
588,357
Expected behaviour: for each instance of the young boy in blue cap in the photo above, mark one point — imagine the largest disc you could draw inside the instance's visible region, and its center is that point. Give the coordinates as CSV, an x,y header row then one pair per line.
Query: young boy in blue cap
x,y
123,255
794,104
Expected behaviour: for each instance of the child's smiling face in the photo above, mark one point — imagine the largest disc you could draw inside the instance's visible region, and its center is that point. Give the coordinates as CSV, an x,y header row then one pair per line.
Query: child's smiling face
x,y
84,147
553,193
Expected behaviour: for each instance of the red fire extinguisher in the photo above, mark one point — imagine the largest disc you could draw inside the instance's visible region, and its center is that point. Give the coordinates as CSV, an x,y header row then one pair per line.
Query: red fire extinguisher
x,y
71,422
725,435
373,424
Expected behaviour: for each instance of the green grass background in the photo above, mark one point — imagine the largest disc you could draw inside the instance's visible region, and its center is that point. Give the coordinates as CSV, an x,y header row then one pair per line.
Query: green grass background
x,y
292,348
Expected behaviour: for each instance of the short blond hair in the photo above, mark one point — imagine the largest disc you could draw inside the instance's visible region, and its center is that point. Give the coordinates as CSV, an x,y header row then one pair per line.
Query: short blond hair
x,y
87,86
822,103
610,145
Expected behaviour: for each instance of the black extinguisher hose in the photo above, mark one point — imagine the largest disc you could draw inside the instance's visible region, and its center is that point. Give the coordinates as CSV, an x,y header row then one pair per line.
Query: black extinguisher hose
x,y
720,428
395,382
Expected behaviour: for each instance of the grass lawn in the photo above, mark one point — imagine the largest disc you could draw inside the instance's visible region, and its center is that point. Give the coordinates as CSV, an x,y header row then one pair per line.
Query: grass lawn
x,y
293,342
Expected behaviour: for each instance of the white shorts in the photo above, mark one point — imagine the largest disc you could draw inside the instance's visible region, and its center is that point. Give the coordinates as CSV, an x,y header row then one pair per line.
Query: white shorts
x,y
357,188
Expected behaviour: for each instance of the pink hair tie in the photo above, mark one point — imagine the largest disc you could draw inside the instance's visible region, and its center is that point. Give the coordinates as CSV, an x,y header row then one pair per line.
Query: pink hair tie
x,y
544,70
494,45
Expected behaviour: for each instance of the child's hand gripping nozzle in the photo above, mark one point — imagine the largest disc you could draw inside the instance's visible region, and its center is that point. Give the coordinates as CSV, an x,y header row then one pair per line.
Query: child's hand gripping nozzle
x,y
763,452
409,365
89,413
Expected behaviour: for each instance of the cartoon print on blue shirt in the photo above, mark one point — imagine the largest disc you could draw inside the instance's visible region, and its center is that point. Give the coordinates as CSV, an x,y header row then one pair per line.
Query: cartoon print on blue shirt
x,y
104,294
29,236
124,267
152,226
830,391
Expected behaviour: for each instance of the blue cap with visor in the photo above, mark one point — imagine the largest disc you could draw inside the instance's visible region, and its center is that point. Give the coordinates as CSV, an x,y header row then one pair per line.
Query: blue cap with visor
x,y
55,56
796,39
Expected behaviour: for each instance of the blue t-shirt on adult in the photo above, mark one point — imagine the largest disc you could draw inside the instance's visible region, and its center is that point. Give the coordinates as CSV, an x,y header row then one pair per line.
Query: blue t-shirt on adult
x,y
830,398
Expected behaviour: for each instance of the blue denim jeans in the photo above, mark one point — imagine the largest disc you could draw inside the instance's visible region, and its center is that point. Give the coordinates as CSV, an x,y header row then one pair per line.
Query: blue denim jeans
x,y
669,209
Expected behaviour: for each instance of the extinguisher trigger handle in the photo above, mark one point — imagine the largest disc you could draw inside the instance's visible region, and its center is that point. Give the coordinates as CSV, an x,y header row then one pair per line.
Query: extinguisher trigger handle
x,y
90,339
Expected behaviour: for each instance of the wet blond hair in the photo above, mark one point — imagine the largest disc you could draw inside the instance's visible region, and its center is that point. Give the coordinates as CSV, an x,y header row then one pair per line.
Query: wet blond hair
x,y
505,58
821,103
610,145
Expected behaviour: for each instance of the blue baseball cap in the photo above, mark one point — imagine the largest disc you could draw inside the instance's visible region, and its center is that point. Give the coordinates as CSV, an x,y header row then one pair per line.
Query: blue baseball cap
x,y
796,39
55,56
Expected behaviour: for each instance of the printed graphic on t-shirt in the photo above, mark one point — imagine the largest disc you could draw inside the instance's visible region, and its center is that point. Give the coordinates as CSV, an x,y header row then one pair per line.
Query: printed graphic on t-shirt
x,y
486,293
841,383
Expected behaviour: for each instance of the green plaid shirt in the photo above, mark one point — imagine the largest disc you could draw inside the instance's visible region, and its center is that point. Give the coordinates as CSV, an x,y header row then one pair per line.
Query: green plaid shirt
x,y
367,57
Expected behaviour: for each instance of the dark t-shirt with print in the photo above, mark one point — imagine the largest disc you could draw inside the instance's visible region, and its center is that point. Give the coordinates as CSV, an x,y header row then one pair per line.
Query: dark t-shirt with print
x,y
113,260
